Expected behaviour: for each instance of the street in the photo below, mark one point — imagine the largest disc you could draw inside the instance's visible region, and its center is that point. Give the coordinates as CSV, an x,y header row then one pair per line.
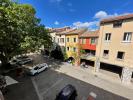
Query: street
x,y
47,84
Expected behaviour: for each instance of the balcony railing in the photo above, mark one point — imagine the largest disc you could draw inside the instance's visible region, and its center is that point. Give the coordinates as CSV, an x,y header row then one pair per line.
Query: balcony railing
x,y
88,56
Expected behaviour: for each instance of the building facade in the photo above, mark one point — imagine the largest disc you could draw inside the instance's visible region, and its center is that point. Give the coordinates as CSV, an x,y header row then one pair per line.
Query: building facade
x,y
72,43
115,44
55,37
88,42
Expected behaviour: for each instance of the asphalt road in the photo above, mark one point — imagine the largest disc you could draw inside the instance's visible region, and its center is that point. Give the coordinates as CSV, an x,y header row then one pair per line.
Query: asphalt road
x,y
46,85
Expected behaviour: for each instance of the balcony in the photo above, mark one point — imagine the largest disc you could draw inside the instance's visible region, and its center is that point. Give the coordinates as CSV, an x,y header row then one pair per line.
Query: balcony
x,y
88,56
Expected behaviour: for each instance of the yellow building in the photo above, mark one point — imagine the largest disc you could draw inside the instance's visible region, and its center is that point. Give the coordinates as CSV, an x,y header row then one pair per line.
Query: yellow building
x,y
72,43
115,46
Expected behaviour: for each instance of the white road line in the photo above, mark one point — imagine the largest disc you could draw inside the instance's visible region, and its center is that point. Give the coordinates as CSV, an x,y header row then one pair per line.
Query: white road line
x,y
57,82
36,88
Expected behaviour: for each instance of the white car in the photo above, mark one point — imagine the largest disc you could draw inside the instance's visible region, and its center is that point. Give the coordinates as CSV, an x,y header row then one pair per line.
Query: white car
x,y
37,68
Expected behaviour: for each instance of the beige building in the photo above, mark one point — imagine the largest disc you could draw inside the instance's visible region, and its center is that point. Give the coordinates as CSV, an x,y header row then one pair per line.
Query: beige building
x,y
53,33
115,45
61,37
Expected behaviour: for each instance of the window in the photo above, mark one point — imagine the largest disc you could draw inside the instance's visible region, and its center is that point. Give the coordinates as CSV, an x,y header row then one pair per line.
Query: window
x,y
83,41
53,38
93,40
74,49
74,39
127,36
36,68
106,53
67,48
62,40
107,36
67,39
120,55
117,24
58,40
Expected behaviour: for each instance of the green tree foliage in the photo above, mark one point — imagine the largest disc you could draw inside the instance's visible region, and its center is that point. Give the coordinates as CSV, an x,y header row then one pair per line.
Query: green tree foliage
x,y
20,30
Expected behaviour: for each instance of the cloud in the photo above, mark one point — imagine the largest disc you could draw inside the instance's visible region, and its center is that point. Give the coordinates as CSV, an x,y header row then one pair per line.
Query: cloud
x,y
55,1
56,23
103,14
90,25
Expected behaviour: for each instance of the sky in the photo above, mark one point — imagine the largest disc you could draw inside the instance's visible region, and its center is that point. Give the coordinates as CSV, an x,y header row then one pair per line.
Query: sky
x,y
78,13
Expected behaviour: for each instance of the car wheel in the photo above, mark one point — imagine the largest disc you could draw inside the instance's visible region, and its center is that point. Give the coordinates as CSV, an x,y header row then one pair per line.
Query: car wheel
x,y
46,68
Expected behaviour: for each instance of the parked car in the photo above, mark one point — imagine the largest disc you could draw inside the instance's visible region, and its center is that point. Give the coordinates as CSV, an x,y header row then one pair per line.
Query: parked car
x,y
67,93
22,57
36,69
14,61
25,61
21,61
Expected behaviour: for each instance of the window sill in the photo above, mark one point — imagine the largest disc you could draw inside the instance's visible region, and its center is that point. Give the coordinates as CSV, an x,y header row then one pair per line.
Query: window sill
x,y
126,41
107,41
105,57
119,59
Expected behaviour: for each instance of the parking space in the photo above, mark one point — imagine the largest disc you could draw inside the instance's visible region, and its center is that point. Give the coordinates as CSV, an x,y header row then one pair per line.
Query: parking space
x,y
47,84
50,83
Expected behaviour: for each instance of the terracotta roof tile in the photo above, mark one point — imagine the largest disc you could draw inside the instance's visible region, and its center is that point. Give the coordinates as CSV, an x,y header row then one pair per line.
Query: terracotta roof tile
x,y
111,19
90,34
65,32
76,31
59,29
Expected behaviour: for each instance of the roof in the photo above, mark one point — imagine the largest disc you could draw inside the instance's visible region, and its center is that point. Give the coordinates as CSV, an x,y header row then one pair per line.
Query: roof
x,y
90,34
111,19
76,32
64,32
59,29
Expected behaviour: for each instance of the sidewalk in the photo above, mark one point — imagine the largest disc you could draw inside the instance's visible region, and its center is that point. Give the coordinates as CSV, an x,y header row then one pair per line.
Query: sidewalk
x,y
98,79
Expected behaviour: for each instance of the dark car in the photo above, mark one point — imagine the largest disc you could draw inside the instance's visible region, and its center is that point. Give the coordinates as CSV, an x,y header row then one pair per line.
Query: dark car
x,y
67,93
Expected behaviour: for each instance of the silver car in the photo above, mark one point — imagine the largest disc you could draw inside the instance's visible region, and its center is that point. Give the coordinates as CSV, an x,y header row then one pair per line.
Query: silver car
x,y
37,68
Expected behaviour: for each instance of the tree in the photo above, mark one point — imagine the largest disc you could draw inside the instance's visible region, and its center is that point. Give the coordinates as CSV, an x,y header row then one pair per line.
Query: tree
x,y
20,30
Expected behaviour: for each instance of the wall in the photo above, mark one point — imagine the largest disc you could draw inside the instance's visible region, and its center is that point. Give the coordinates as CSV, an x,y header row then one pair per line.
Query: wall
x,y
60,43
87,44
71,44
116,44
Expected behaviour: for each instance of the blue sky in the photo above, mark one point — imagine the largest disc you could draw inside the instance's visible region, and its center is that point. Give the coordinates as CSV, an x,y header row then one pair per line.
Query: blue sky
x,y
78,13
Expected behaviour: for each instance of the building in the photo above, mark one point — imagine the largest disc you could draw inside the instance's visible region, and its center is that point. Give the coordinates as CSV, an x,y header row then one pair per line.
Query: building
x,y
61,37
72,43
115,45
53,34
88,42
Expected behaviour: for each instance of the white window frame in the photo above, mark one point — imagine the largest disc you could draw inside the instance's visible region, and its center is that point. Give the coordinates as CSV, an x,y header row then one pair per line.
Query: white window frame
x,y
107,37
128,37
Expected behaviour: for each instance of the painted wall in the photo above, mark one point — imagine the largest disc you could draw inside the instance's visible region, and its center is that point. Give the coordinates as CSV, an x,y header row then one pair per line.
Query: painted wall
x,y
116,44
59,42
87,44
71,44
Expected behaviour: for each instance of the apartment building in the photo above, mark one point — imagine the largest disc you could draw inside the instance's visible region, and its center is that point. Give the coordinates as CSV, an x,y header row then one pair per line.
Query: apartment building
x,y
53,34
72,43
61,37
115,45
88,42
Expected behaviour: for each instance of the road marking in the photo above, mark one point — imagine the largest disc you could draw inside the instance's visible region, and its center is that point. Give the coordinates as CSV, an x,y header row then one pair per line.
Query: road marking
x,y
57,82
36,88
10,81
